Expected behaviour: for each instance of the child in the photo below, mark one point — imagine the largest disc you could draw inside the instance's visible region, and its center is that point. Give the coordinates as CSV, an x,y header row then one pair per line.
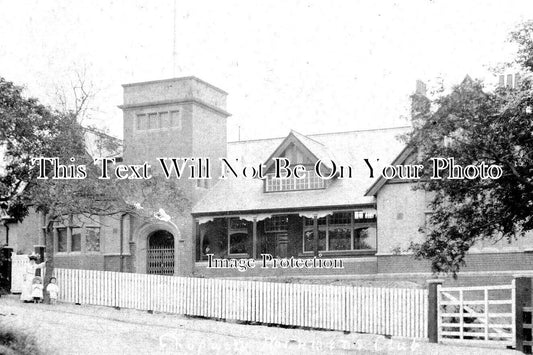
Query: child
x,y
53,290
37,290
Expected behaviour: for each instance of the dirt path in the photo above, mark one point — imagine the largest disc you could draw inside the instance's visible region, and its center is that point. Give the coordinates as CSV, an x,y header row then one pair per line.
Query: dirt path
x,y
70,329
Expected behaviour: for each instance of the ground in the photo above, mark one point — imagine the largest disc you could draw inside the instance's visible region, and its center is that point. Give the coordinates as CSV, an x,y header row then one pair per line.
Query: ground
x,y
73,329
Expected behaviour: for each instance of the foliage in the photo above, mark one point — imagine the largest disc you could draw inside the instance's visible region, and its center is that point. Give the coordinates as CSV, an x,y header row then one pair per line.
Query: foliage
x,y
473,126
30,130
14,341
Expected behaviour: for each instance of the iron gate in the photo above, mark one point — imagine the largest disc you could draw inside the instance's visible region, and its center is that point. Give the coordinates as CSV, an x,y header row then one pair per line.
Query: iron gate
x,y
160,253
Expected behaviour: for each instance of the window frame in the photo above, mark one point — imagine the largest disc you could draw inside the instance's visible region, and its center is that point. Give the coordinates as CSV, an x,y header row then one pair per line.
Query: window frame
x,y
69,238
311,181
236,231
99,230
271,220
355,223
163,120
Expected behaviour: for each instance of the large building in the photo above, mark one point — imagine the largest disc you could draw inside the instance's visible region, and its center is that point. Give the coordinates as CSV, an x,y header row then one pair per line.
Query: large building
x,y
363,222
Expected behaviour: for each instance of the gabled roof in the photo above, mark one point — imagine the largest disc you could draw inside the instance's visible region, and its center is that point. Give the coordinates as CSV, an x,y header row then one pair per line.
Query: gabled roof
x,y
312,148
349,148
399,160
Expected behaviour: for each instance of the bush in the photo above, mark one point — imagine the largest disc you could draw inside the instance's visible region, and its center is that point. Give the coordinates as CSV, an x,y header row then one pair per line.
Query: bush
x,y
16,342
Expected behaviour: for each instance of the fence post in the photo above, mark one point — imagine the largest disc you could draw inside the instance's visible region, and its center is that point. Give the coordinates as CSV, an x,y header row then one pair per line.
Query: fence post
x,y
522,299
433,305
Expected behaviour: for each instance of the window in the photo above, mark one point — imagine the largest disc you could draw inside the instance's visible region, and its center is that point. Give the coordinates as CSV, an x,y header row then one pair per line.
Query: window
x,y
277,224
158,120
175,119
92,239
362,239
237,236
61,240
340,239
237,243
341,231
153,121
309,240
76,239
309,235
309,181
163,120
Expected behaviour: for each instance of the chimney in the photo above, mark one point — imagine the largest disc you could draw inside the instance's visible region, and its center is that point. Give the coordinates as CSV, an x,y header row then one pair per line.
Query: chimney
x,y
420,104
420,88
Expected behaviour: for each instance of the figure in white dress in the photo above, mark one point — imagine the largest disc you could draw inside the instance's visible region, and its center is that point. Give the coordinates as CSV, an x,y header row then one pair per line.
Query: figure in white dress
x,y
53,290
29,275
37,290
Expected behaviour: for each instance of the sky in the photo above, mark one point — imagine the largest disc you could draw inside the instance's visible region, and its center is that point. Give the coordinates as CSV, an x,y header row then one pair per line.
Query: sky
x,y
312,66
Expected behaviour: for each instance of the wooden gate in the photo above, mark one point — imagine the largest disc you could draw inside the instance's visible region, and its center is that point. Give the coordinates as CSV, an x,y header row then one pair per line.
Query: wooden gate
x,y
18,267
160,255
484,314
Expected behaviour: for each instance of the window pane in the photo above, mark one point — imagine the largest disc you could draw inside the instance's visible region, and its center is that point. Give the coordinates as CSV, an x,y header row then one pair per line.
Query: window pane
x,y
309,240
93,239
61,239
277,224
340,218
236,223
153,121
320,221
237,243
363,239
340,239
163,120
76,239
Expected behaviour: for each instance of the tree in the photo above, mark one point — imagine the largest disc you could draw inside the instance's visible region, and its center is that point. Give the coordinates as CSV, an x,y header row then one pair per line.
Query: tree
x,y
474,126
30,130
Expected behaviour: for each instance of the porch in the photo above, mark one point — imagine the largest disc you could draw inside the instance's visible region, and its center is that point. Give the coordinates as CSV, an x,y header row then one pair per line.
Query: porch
x,y
349,235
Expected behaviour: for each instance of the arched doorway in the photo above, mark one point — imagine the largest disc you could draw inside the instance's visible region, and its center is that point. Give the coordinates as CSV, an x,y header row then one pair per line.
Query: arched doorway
x,y
160,256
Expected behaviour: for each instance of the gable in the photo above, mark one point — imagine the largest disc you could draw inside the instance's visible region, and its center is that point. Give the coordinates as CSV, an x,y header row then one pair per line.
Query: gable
x,y
299,149
406,156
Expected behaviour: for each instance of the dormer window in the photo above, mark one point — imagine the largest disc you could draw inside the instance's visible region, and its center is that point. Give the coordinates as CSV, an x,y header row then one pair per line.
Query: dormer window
x,y
310,181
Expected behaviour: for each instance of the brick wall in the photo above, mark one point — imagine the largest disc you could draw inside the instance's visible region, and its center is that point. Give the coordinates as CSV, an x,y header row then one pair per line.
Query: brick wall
x,y
481,262
366,265
80,261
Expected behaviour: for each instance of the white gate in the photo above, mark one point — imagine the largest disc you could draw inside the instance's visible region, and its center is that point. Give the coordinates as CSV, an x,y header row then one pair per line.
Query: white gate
x,y
18,267
484,314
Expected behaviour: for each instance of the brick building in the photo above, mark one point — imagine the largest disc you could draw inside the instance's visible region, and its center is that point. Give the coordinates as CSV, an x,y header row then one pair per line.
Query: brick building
x,y
367,223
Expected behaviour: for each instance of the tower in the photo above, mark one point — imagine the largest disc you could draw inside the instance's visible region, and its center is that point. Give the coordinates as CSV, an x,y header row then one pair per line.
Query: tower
x,y
173,118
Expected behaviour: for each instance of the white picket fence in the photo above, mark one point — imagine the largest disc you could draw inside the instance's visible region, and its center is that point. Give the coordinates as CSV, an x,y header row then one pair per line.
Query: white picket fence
x,y
390,311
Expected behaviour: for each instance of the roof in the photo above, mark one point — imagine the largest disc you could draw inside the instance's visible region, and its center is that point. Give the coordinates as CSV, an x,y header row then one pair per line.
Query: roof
x,y
101,144
346,148
399,160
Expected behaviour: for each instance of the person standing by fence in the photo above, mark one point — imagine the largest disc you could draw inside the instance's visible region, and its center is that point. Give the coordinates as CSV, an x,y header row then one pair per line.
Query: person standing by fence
x,y
28,276
37,290
53,290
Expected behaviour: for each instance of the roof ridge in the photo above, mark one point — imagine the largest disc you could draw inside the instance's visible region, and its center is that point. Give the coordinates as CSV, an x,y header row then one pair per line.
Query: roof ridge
x,y
359,130
321,134
292,130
